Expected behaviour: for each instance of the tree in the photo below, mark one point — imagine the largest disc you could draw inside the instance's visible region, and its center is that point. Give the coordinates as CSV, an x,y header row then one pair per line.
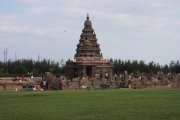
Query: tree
x,y
20,70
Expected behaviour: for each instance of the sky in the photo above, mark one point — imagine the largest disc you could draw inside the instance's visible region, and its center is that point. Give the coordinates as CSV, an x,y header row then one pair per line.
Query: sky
x,y
146,30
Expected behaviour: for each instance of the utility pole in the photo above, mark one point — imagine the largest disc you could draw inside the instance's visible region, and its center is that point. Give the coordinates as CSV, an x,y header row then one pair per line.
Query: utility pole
x,y
38,57
5,59
5,55
15,56
4,52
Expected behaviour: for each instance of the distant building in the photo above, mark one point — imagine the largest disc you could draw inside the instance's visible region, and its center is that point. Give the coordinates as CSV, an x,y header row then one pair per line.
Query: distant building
x,y
88,60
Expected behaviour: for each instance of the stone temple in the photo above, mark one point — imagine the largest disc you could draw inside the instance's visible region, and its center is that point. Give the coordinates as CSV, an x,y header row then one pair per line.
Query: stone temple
x,y
88,60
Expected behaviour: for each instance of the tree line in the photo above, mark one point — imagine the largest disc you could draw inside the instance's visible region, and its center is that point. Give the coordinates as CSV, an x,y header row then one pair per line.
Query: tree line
x,y
141,67
29,67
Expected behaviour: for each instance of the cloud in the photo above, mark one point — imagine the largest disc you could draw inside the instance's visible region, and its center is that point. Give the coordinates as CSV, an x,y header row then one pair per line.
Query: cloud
x,y
18,29
117,23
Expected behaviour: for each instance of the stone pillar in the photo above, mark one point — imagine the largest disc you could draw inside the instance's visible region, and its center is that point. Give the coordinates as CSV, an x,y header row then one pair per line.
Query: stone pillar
x,y
84,71
93,71
110,73
80,71
126,78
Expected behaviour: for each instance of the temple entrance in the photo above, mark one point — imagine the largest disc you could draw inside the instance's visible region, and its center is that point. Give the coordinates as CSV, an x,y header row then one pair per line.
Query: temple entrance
x,y
89,71
75,72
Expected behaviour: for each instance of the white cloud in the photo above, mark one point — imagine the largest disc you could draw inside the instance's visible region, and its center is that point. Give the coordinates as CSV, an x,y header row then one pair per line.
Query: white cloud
x,y
116,22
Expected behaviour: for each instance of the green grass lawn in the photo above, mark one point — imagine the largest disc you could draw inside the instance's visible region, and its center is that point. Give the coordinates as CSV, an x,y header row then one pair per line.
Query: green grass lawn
x,y
119,104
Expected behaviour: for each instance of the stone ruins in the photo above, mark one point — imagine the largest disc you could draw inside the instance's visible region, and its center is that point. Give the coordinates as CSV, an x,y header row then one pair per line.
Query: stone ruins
x,y
89,70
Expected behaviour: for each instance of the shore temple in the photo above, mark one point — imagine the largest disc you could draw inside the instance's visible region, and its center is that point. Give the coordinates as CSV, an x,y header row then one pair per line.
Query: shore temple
x,y
88,60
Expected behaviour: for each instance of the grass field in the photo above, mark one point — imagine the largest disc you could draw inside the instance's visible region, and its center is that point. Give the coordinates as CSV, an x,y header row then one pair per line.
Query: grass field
x,y
120,104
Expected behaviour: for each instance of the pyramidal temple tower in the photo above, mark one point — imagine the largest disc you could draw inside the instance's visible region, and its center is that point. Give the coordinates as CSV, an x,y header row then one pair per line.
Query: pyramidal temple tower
x,y
88,46
88,60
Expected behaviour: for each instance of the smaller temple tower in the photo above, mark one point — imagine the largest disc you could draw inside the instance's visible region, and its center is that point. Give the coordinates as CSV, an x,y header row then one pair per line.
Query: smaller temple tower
x,y
88,60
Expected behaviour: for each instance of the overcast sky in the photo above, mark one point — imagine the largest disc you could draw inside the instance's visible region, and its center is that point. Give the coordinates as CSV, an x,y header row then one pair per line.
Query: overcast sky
x,y
146,30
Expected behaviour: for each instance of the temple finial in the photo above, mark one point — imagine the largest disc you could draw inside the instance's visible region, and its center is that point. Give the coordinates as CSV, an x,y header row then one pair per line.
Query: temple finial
x,y
87,17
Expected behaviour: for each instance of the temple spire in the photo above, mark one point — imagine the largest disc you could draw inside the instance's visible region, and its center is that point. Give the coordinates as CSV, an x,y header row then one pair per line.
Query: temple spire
x,y
87,22
88,46
87,17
